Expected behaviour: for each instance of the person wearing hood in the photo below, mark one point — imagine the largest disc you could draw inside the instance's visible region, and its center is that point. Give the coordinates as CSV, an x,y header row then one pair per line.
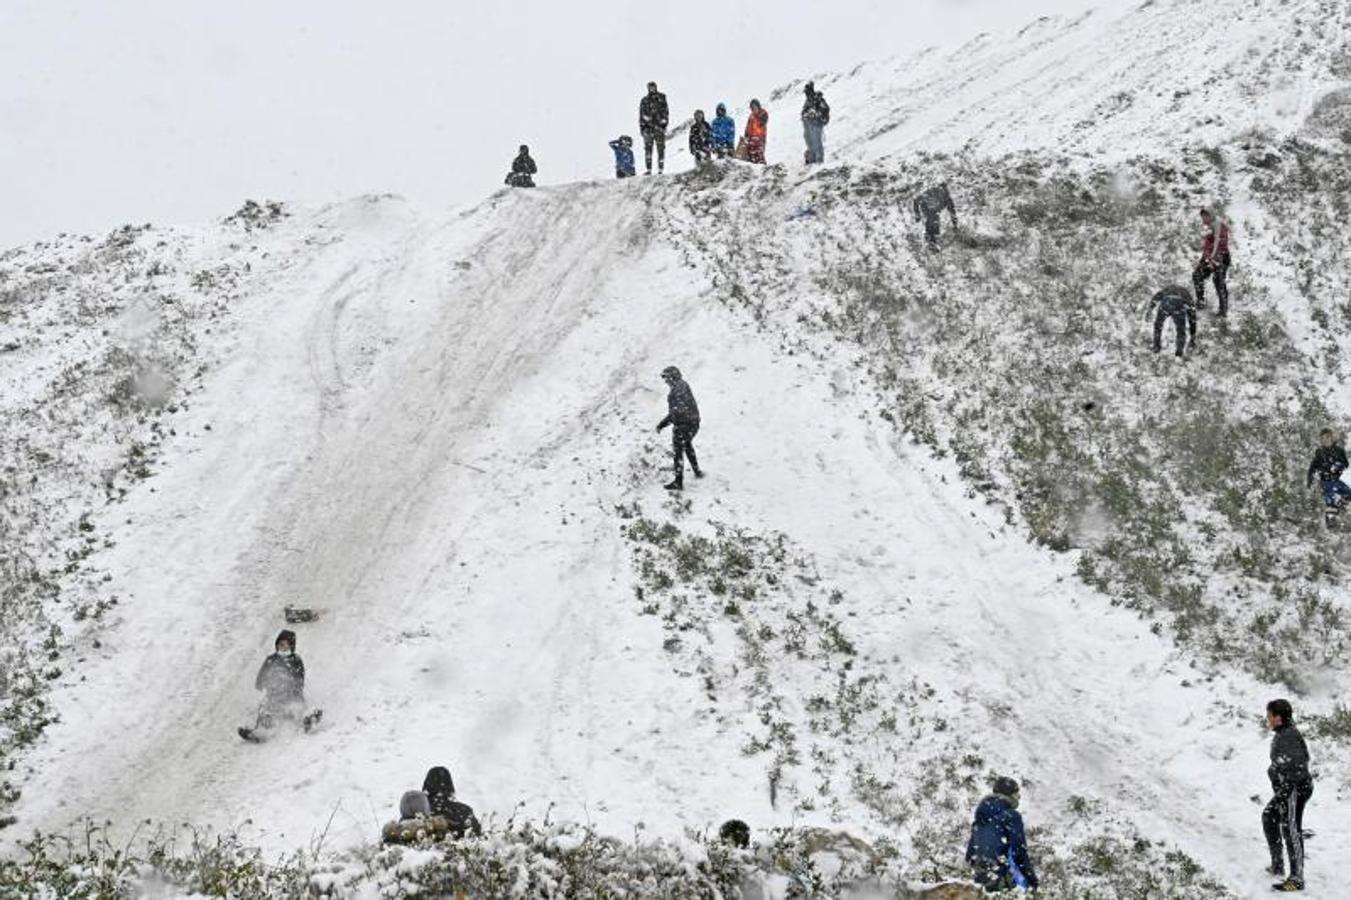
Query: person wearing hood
x,y
653,117
523,169
701,139
815,118
997,850
683,414
282,681
417,823
1291,787
929,206
459,817
624,164
1174,303
757,133
724,133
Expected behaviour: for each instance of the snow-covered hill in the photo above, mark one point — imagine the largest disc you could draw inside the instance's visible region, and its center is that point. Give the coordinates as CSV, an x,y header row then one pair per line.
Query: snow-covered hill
x,y
436,428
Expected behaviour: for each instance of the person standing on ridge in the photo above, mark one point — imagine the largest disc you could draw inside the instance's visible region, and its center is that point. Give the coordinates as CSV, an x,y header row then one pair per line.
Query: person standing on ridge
x,y
1329,462
701,139
1174,302
1214,262
1292,786
815,118
724,133
624,164
997,850
653,117
757,133
682,413
929,206
522,169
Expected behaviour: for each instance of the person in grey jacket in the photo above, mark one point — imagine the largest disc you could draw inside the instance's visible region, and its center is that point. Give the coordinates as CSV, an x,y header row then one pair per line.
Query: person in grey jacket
x,y
1174,302
1291,786
683,415
929,206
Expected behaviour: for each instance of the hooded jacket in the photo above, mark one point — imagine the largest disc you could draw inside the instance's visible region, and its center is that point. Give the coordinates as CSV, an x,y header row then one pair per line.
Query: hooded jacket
x,y
997,837
1328,464
701,137
1289,767
681,410
757,125
459,817
653,114
282,675
624,164
523,164
724,128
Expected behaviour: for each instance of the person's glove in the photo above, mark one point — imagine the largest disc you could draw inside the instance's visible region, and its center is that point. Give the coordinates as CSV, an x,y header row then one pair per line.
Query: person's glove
x,y
660,426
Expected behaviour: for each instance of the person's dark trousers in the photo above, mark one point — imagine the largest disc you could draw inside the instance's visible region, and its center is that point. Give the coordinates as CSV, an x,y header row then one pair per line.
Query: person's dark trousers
x,y
1184,322
654,136
682,446
931,229
1283,821
990,878
1217,271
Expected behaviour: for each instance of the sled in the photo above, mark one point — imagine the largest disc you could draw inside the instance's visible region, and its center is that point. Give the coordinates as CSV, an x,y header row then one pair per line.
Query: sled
x,y
257,735
743,152
299,615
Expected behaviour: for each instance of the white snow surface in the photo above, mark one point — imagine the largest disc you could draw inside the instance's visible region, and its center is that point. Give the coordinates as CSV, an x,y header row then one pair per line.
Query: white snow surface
x,y
421,424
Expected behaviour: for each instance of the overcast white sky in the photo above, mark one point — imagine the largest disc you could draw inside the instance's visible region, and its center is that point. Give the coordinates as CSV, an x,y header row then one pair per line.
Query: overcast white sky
x,y
176,110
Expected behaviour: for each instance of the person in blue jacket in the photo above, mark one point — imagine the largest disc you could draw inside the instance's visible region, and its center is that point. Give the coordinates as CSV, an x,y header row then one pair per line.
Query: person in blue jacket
x,y
724,133
997,851
624,164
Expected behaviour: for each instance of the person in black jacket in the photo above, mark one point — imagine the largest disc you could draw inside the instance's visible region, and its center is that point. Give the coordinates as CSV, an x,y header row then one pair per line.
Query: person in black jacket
x,y
282,681
522,169
653,117
815,118
701,139
440,790
683,414
997,850
929,206
1174,302
1292,786
1329,462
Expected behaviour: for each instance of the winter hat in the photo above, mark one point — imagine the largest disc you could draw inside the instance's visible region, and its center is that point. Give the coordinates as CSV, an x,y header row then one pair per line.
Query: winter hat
x,y
735,832
413,804
1006,787
670,372
288,636
438,782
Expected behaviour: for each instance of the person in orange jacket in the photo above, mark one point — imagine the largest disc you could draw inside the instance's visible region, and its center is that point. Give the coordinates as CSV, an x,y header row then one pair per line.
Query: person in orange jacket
x,y
757,132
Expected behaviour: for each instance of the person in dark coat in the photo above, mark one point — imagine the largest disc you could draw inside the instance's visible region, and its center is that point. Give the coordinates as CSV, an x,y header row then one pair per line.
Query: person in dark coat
x,y
683,414
997,851
281,678
522,169
1214,262
929,206
653,117
1329,462
440,791
724,133
1291,786
623,148
701,139
735,833
815,118
1173,302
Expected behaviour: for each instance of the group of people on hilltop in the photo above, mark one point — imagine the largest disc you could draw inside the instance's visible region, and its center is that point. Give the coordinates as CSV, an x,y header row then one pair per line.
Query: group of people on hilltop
x,y
708,139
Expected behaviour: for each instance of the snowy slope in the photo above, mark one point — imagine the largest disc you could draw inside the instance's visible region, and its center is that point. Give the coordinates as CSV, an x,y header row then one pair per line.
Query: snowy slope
x,y
428,424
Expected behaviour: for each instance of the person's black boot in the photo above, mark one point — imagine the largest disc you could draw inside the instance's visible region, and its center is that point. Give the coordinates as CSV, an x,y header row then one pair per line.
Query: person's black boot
x,y
698,473
677,485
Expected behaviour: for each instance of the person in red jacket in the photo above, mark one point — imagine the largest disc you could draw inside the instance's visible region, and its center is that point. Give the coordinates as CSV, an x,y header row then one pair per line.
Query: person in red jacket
x,y
757,132
1214,262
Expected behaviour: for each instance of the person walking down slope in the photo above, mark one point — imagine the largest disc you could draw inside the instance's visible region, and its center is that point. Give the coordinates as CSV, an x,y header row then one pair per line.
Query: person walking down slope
x,y
997,850
815,118
724,133
682,413
701,139
757,133
1174,302
440,790
653,117
1329,462
522,170
1214,262
1292,786
624,164
929,206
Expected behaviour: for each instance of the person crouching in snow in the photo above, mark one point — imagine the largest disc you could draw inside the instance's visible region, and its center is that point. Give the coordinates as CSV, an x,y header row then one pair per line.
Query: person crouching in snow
x,y
416,823
440,790
624,164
